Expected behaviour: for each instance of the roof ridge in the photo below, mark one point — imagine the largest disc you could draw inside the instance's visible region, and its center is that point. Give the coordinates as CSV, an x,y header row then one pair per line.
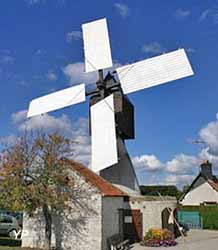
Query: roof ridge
x,y
105,187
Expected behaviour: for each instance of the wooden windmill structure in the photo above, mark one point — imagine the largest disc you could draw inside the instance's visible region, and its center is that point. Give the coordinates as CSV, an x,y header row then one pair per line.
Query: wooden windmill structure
x,y
111,112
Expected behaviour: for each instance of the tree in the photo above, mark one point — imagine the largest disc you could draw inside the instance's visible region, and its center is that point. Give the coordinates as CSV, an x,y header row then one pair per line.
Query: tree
x,y
35,176
185,188
169,190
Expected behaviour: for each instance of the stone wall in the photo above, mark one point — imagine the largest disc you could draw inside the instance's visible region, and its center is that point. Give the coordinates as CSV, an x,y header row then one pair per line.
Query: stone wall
x,y
80,229
110,218
152,210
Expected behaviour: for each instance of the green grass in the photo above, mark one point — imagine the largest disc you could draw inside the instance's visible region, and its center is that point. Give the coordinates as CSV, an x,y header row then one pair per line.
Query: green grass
x,y
11,244
9,248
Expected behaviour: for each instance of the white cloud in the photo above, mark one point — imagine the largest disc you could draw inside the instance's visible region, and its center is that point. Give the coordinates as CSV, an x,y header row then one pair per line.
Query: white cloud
x,y
8,140
51,76
123,9
190,50
44,122
204,14
153,48
182,13
182,164
147,162
211,13
19,116
73,35
33,2
178,171
82,146
77,131
179,180
47,123
76,74
205,155
209,135
182,168
6,57
36,2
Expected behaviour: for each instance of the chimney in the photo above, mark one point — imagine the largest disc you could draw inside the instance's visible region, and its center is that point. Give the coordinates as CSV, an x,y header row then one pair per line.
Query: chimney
x,y
206,169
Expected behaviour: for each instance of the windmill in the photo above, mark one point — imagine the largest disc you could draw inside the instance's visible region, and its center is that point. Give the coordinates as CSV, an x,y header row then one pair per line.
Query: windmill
x,y
111,112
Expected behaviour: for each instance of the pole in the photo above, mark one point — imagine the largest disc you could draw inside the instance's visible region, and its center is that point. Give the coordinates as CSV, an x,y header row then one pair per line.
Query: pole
x,y
101,75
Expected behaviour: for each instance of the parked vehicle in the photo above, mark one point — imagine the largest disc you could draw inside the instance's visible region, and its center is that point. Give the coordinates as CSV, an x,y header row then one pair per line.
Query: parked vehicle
x,y
9,226
17,215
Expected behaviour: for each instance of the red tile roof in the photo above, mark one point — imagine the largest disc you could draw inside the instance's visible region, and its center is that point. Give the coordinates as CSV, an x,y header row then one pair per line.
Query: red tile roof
x,y
105,187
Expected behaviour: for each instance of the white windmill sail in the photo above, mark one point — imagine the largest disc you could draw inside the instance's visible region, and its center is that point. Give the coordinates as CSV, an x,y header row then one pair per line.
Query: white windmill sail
x,y
57,100
154,71
104,142
96,45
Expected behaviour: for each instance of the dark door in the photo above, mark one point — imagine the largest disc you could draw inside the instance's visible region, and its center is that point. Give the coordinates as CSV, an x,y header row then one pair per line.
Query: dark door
x,y
132,225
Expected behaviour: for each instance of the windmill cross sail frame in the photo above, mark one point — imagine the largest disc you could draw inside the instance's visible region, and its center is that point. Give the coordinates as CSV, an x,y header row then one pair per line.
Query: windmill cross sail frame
x,y
154,71
108,103
57,100
96,45
103,134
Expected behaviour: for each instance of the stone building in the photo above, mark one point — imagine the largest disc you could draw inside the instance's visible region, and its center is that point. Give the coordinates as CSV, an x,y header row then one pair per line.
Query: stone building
x,y
95,216
104,210
204,188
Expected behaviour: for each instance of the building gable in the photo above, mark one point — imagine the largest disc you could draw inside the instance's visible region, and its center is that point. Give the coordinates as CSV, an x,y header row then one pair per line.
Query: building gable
x,y
200,192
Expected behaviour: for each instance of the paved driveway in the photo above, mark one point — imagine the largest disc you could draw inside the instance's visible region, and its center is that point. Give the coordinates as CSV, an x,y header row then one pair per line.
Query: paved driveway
x,y
196,240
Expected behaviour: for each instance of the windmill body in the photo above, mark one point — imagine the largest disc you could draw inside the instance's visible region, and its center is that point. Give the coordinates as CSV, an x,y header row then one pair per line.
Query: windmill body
x,y
111,112
121,173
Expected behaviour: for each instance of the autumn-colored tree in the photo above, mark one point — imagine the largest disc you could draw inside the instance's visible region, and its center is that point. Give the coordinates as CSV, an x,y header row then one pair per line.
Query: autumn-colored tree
x,y
34,176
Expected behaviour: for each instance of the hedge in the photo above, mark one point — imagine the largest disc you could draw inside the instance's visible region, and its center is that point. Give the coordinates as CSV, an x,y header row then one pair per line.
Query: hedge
x,y
209,214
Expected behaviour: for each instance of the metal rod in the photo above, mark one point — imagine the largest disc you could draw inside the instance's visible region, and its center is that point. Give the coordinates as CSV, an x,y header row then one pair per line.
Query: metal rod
x,y
101,75
92,92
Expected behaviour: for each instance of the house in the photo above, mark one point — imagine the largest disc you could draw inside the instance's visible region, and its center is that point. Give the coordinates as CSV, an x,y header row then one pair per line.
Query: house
x,y
94,218
101,210
204,188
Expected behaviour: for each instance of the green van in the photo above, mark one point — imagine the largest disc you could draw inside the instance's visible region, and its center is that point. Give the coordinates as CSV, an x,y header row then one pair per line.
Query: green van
x,y
8,226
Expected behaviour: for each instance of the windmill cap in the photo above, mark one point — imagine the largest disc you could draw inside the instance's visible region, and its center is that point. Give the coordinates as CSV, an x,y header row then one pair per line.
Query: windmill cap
x,y
206,162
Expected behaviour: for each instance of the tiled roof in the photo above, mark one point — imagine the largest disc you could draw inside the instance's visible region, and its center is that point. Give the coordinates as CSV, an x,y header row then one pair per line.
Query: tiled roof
x,y
105,187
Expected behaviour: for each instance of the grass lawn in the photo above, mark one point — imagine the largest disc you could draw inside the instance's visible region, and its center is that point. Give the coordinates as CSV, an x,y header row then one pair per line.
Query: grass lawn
x,y
10,244
9,248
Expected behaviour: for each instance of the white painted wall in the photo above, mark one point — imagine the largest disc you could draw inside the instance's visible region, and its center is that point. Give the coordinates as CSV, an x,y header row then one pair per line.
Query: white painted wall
x,y
81,229
201,192
151,211
110,218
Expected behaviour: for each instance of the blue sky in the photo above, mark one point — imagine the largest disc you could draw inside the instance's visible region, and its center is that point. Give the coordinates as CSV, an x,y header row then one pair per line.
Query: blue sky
x,y
41,51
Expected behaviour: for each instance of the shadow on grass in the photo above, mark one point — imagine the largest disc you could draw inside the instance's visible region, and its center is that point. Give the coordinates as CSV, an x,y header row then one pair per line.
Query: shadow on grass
x,y
9,242
12,244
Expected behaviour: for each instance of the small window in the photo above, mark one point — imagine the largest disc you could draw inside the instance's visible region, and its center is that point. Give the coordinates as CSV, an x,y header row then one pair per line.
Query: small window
x,y
128,219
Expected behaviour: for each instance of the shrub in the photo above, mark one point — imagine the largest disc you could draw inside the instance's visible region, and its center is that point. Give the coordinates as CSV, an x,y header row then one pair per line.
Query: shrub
x,y
159,237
